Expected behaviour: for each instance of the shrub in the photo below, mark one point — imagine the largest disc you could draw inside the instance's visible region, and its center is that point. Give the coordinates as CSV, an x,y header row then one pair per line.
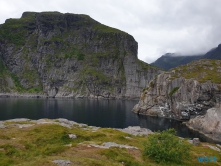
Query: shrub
x,y
166,147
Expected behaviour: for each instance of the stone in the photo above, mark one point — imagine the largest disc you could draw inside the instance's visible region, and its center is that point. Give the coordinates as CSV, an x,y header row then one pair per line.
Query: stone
x,y
196,141
107,145
136,130
2,126
18,120
62,162
209,124
67,123
72,136
213,147
25,125
218,145
190,141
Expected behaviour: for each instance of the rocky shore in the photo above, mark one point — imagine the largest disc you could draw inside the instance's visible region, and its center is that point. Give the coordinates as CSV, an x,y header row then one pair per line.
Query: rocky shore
x,y
22,95
206,128
208,124
24,122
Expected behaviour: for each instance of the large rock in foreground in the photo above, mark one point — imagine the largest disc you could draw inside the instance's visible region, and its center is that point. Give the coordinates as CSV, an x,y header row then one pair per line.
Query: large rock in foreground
x,y
209,124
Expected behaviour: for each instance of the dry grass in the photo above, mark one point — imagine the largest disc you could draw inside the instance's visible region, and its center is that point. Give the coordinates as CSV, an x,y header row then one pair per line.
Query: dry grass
x,y
41,144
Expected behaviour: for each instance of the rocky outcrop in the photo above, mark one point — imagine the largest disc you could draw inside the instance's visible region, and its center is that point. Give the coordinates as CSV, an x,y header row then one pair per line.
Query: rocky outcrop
x,y
69,55
184,92
107,145
208,124
136,130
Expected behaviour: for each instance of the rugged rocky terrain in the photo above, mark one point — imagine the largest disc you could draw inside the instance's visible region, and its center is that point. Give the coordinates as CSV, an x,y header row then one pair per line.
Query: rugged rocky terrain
x,y
183,92
69,55
187,92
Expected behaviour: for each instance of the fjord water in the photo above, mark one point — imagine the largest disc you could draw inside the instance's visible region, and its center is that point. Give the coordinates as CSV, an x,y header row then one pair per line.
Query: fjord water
x,y
101,113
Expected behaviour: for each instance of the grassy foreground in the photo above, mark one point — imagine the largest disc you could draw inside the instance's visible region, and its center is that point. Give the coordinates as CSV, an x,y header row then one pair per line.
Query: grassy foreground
x,y
40,144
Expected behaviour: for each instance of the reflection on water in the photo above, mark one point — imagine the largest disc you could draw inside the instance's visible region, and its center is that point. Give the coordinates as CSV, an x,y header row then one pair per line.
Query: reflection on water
x,y
102,113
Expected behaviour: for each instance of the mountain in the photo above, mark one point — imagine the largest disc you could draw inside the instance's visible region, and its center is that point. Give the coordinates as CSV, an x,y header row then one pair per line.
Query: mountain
x,y
171,60
214,53
69,55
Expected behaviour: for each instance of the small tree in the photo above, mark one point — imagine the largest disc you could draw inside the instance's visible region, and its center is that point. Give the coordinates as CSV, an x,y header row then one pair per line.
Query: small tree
x,y
166,147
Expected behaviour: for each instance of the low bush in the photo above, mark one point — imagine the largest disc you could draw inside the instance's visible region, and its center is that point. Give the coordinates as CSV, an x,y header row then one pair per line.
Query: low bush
x,y
166,147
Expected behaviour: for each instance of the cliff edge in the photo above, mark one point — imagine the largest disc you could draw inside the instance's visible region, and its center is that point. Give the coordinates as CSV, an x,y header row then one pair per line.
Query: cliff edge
x,y
183,92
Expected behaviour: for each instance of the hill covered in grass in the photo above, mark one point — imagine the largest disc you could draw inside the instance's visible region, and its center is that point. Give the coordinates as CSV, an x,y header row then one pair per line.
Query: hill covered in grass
x,y
47,142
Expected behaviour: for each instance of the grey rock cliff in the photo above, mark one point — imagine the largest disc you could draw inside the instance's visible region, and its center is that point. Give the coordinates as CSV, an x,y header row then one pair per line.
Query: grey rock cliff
x,y
70,55
175,94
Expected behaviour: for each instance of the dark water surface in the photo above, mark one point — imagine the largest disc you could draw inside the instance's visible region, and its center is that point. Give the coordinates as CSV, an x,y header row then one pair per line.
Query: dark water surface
x,y
102,113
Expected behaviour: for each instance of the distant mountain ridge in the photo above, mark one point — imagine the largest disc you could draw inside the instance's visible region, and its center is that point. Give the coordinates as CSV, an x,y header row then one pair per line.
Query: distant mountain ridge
x,y
172,60
214,53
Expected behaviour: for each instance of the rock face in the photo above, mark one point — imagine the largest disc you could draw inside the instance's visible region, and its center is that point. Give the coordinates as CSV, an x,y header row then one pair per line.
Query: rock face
x,y
136,130
208,124
69,55
184,92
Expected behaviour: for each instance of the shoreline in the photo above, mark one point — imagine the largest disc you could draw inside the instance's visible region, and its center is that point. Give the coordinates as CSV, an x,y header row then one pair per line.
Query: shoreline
x,y
205,135
69,123
34,95
42,96
185,122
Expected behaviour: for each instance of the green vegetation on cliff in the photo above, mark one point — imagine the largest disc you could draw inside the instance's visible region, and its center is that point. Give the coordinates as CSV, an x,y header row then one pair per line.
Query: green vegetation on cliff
x,y
201,70
72,52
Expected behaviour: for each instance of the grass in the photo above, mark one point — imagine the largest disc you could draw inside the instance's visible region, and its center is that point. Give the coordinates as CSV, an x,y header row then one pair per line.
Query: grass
x,y
144,66
41,144
107,29
201,70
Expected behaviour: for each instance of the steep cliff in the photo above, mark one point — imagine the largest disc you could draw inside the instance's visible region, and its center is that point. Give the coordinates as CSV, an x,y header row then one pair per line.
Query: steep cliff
x,y
70,55
183,92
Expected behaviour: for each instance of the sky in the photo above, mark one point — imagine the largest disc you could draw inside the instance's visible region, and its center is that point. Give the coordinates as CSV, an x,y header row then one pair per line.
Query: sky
x,y
185,27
